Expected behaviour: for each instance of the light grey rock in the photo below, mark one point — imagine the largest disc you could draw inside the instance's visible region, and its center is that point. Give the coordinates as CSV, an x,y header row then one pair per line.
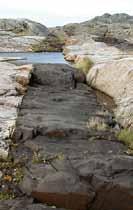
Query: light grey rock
x,y
19,43
98,52
95,38
23,26
10,100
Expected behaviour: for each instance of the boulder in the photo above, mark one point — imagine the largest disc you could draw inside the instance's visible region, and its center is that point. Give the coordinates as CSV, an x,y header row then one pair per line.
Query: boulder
x,y
115,79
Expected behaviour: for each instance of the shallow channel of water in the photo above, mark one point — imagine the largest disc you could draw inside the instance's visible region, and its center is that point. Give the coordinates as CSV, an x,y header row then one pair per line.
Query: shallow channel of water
x,y
43,57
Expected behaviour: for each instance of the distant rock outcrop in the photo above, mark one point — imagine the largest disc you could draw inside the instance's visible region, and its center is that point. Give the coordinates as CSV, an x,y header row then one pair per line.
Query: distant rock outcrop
x,y
95,37
113,29
20,34
23,27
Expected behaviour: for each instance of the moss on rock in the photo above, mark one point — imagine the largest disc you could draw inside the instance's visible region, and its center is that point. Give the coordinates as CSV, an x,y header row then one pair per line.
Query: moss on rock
x,y
84,64
51,43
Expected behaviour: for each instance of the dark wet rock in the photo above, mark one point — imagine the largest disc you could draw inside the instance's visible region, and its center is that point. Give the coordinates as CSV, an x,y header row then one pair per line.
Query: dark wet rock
x,y
59,77
67,163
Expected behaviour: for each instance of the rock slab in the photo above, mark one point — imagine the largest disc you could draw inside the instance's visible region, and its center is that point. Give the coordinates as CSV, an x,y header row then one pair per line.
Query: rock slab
x,y
68,164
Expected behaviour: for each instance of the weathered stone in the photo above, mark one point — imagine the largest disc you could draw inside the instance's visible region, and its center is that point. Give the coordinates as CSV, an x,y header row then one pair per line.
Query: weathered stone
x,y
68,164
10,101
114,29
98,52
19,44
64,189
20,35
115,79
23,26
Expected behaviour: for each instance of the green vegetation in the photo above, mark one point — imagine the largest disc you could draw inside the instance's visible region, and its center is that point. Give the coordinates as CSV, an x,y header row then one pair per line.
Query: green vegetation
x,y
22,30
126,136
15,174
84,65
97,123
11,175
22,33
6,196
70,29
37,158
50,44
18,175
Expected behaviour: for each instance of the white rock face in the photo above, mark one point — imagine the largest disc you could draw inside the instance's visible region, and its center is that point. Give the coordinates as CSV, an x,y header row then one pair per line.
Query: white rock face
x,y
115,78
10,99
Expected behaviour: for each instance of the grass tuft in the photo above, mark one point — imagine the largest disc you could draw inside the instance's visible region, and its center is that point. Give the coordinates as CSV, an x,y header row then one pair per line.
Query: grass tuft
x,y
126,136
84,65
97,123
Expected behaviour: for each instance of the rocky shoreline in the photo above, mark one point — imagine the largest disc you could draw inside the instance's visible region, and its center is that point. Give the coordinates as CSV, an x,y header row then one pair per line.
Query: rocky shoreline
x,y
59,146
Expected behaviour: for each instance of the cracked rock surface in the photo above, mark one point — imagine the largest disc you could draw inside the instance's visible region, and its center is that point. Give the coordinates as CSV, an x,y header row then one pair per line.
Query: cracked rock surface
x,y
67,163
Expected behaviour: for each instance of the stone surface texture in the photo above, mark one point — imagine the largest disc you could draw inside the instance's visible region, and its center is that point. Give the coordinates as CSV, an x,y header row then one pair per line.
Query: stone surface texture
x,y
20,34
68,163
106,40
115,78
12,90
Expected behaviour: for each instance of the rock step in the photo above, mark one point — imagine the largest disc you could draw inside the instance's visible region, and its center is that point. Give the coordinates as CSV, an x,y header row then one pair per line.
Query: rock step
x,y
68,163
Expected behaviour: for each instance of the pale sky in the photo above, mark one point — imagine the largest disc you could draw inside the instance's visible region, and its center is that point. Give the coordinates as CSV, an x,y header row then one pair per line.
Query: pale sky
x,y
60,12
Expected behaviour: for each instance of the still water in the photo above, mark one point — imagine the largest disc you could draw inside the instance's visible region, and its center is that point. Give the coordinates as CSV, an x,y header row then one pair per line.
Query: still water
x,y
43,57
